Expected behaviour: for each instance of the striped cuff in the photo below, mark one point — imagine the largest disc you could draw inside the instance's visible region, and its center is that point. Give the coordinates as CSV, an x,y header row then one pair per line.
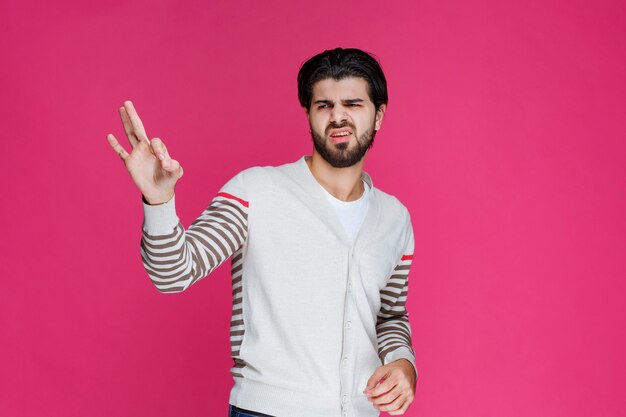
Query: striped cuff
x,y
401,353
160,219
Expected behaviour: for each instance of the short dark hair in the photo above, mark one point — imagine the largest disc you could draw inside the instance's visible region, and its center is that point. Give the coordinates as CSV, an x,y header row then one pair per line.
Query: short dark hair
x,y
341,63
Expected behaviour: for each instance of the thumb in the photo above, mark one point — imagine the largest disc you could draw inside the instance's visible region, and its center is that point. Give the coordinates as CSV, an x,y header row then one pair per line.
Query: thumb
x,y
379,373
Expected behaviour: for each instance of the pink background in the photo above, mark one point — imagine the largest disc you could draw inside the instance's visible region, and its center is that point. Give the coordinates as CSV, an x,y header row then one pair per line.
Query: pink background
x,y
504,136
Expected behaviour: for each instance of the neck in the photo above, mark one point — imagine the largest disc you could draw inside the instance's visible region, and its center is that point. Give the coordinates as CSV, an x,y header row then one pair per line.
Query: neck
x,y
342,183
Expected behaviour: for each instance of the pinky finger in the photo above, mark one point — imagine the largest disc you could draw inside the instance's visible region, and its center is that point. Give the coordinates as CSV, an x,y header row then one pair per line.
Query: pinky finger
x,y
401,410
117,147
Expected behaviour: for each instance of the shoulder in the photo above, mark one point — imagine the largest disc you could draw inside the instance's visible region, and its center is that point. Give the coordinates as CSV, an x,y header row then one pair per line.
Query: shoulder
x,y
395,211
260,179
265,172
392,206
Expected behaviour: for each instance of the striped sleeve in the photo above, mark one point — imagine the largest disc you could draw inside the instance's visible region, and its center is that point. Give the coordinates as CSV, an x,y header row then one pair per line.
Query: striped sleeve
x,y
392,326
175,258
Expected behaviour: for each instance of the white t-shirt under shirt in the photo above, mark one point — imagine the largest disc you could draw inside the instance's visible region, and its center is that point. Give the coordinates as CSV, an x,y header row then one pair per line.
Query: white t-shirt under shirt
x,y
350,213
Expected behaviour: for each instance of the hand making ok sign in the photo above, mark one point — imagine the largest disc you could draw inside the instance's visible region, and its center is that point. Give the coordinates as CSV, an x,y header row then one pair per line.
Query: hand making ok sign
x,y
149,163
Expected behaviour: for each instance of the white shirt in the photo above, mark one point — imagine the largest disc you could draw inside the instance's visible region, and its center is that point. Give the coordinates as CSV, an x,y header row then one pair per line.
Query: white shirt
x,y
350,213
313,314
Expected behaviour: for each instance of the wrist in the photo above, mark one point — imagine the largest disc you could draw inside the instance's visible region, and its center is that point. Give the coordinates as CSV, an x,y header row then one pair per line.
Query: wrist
x,y
155,201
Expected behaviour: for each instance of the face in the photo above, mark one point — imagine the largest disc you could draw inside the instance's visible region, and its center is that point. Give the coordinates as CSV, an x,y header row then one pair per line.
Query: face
x,y
343,120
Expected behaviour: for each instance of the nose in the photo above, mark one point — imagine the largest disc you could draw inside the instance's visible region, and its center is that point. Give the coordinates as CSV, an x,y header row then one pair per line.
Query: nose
x,y
338,114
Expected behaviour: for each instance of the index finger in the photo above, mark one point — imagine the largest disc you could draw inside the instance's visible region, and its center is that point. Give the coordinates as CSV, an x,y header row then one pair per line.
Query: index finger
x,y
135,121
128,128
382,387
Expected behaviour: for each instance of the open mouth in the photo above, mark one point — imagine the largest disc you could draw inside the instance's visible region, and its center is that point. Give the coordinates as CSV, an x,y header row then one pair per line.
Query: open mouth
x,y
340,135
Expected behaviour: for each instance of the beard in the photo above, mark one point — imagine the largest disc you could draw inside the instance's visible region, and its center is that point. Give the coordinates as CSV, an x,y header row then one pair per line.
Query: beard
x,y
340,155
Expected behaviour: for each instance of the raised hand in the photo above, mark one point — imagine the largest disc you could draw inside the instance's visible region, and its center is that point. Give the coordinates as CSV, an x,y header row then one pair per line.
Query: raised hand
x,y
149,163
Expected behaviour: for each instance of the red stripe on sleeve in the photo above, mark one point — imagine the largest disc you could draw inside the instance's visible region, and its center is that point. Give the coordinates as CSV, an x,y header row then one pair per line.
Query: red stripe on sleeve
x,y
232,197
407,257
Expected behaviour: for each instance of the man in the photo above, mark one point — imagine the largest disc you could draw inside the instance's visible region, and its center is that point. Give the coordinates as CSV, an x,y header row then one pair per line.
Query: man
x,y
320,257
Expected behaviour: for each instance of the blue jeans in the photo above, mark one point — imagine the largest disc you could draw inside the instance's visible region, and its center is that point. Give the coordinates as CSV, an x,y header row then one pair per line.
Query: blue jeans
x,y
240,412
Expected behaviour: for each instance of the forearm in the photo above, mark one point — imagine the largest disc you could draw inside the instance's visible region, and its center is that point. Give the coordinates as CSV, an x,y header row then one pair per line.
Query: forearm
x,y
394,337
176,258
165,250
394,340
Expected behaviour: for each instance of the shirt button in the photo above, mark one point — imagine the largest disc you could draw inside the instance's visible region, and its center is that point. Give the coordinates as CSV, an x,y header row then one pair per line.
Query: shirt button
x,y
345,414
344,399
344,361
349,324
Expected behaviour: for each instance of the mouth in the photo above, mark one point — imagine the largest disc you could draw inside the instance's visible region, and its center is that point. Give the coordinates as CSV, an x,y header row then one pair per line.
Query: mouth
x,y
340,135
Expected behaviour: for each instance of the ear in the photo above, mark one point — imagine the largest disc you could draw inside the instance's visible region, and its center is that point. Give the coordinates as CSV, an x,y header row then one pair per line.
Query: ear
x,y
379,116
308,117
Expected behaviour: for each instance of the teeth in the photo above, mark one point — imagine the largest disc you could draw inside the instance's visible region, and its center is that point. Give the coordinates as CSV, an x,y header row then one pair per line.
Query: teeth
x,y
341,134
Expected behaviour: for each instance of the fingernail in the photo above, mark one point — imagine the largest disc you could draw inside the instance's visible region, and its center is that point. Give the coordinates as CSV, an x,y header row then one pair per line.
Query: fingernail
x,y
161,156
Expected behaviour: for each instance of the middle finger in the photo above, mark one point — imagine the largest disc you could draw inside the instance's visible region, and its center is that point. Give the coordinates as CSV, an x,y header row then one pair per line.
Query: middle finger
x,y
135,122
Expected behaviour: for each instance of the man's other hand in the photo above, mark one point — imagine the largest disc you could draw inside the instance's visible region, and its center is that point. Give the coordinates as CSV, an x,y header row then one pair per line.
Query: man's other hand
x,y
391,387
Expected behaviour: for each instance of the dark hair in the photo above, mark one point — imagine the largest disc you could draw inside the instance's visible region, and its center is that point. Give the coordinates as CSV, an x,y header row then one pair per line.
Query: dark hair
x,y
341,63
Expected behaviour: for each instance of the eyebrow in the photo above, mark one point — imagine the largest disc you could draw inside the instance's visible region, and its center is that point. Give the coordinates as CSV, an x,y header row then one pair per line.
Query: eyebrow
x,y
347,101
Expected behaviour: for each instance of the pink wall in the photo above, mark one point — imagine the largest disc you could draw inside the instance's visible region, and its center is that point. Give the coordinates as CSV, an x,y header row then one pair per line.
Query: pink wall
x,y
504,136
